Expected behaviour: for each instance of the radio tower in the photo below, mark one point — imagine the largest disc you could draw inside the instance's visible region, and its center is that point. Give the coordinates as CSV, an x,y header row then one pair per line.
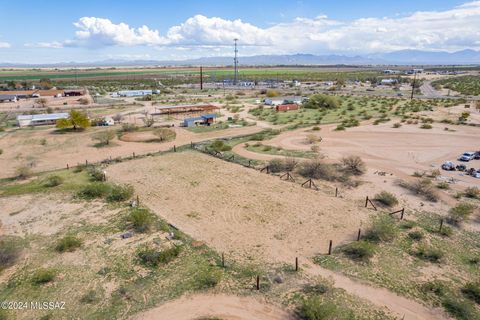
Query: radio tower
x,y
235,63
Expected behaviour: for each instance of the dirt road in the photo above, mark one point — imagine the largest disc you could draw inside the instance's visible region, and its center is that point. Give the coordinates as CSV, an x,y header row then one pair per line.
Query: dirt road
x,y
224,307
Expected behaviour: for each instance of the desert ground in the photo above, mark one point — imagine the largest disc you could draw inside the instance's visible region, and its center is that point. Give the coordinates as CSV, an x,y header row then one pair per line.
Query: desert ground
x,y
234,223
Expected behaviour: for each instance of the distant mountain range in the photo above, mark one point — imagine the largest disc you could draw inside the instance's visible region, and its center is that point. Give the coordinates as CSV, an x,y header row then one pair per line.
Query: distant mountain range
x,y
403,57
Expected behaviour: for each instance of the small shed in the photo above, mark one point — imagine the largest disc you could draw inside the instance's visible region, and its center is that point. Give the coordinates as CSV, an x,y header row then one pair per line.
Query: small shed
x,y
206,119
8,97
287,107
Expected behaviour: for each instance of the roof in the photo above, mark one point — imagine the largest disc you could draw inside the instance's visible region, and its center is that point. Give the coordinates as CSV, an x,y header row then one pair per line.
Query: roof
x,y
287,98
209,116
188,106
43,117
192,119
7,96
288,105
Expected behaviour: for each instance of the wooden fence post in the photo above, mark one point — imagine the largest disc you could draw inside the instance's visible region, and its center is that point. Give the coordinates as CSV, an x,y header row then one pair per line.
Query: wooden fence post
x,y
258,282
359,233
174,148
68,167
330,247
296,263
366,202
249,163
134,155
86,162
223,260
336,192
403,212
441,225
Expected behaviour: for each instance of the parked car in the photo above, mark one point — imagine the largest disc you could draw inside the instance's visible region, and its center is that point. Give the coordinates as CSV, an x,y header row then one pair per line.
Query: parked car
x,y
477,155
461,167
449,166
467,156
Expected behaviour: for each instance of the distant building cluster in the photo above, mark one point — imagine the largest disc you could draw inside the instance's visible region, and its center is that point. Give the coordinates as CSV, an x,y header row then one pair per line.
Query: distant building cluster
x,y
134,93
14,96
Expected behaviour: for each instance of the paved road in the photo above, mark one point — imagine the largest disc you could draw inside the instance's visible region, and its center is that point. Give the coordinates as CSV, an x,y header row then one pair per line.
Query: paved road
x,y
428,91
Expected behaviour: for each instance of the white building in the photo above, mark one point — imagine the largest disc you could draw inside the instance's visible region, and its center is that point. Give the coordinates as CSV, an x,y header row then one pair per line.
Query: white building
x,y
40,119
387,82
281,100
133,93
8,97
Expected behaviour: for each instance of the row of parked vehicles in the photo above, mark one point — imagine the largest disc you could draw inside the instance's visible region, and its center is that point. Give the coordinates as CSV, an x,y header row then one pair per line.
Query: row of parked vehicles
x,y
465,157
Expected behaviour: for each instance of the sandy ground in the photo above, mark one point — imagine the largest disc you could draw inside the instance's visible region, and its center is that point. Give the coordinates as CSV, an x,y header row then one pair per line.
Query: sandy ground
x,y
24,215
216,306
238,210
254,216
22,147
390,154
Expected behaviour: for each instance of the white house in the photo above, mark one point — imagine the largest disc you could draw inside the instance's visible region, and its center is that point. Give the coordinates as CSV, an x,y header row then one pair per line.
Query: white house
x,y
281,100
40,119
8,97
108,121
387,82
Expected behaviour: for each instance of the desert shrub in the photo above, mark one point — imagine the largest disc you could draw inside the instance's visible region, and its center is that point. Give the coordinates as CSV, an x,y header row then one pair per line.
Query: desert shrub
x,y
313,308
311,139
381,229
316,169
428,253
359,250
316,128
422,188
141,219
281,165
52,181
386,198
95,173
43,276
443,185
128,127
272,93
89,297
322,101
435,287
415,235
23,172
426,126
406,224
9,252
353,165
397,125
1,151
460,213
458,308
219,146
103,137
472,192
68,243
152,257
120,193
165,134
207,277
472,291
94,190
446,231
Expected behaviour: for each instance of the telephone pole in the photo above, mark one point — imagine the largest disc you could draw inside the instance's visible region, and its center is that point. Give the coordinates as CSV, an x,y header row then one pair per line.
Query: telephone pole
x,y
235,63
413,84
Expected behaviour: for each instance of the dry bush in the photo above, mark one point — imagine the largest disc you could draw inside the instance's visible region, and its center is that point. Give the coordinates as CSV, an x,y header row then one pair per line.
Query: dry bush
x,y
311,139
165,134
460,213
316,169
386,198
104,137
9,252
282,165
23,172
353,165
423,187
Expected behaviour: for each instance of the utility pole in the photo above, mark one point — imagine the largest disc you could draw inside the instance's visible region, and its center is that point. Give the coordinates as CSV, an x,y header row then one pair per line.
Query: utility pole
x,y
413,84
201,78
235,63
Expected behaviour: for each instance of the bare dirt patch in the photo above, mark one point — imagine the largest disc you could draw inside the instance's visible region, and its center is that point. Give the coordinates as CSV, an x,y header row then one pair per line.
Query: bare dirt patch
x,y
238,210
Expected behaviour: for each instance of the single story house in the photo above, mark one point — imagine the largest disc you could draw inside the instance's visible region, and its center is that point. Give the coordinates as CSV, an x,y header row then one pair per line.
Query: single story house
x,y
287,107
134,93
73,93
388,81
8,97
40,119
206,119
282,100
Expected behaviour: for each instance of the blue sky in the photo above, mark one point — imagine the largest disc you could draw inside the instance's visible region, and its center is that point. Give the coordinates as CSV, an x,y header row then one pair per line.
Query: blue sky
x,y
58,31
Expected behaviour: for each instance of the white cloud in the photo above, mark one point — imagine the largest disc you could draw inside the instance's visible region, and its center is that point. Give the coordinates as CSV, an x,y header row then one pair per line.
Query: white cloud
x,y
4,45
53,44
454,29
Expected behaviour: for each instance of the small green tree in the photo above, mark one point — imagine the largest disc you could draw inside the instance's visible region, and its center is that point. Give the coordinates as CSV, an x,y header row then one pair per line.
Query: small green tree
x,y
76,119
322,101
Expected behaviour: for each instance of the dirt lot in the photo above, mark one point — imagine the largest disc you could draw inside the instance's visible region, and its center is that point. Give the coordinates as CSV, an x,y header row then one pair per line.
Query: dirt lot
x,y
238,210
47,150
